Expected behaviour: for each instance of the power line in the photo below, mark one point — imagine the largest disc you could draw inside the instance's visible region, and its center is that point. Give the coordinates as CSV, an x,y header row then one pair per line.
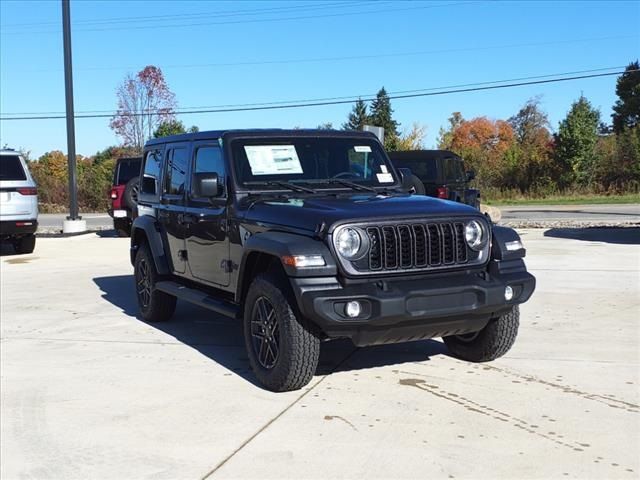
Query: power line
x,y
338,102
349,97
235,22
355,57
228,13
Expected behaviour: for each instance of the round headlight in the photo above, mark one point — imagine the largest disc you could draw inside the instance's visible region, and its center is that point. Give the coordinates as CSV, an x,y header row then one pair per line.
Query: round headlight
x,y
474,235
349,243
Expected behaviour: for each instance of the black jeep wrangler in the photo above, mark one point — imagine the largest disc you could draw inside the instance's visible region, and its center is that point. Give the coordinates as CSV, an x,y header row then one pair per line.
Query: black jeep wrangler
x,y
308,235
440,174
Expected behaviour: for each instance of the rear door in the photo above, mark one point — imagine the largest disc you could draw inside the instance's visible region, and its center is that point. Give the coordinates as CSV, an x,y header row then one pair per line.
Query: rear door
x,y
206,221
170,211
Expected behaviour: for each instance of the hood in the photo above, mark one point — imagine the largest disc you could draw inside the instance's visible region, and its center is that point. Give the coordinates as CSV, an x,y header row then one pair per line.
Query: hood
x,y
307,212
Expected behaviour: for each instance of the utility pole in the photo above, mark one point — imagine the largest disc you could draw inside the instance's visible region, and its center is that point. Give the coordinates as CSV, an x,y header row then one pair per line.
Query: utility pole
x,y
73,223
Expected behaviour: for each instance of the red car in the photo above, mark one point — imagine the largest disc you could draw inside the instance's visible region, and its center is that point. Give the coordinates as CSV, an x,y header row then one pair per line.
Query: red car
x,y
124,194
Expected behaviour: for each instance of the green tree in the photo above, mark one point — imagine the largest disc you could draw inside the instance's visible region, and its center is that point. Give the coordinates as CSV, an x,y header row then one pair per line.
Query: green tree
x,y
382,116
445,136
413,139
325,126
172,127
358,116
576,140
626,111
531,155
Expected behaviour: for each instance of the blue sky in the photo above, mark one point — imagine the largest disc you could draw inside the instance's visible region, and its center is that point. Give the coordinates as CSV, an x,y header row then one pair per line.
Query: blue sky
x,y
400,45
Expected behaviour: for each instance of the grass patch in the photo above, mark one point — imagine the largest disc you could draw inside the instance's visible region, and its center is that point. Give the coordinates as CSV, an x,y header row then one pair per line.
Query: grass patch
x,y
568,200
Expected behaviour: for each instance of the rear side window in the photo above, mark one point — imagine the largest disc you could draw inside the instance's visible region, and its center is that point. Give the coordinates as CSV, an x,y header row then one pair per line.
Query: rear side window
x,y
11,168
151,173
426,170
453,170
177,165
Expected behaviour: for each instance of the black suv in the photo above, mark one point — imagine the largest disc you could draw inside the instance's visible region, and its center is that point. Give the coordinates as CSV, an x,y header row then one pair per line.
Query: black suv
x,y
441,174
308,235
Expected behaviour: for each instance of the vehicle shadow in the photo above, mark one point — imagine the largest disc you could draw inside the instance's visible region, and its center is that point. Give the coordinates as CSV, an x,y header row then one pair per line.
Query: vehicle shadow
x,y
221,339
622,236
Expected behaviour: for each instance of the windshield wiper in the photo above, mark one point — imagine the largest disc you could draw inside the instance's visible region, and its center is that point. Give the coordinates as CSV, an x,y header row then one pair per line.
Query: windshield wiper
x,y
347,183
290,186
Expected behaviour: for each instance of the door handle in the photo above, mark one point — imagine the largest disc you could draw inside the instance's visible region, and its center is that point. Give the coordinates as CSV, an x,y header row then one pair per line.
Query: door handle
x,y
187,218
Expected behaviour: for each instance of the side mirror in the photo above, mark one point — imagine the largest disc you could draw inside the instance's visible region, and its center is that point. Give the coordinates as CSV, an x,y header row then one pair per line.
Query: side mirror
x,y
405,178
206,185
471,175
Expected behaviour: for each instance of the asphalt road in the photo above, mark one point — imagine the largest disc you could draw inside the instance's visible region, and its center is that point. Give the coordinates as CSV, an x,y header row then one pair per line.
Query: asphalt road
x,y
89,391
619,213
95,221
597,214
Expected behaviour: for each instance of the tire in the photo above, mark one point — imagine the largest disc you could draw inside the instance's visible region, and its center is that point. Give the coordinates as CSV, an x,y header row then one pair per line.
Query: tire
x,y
417,187
492,342
154,305
282,349
25,244
130,195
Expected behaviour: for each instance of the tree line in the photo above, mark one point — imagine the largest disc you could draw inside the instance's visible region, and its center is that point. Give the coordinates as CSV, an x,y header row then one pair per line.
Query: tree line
x,y
517,156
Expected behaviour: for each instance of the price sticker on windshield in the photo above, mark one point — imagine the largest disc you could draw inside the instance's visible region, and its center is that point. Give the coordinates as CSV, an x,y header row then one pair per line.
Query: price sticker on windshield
x,y
362,148
384,177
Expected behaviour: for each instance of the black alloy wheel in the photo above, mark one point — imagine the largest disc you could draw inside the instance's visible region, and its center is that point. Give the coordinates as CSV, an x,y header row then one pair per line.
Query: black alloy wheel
x,y
265,334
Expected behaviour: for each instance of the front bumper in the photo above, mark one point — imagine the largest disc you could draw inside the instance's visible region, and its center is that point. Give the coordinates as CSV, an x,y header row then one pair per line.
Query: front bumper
x,y
10,228
405,310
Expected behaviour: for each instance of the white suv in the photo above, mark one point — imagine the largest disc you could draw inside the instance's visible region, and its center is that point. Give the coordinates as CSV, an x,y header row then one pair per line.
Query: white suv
x,y
18,202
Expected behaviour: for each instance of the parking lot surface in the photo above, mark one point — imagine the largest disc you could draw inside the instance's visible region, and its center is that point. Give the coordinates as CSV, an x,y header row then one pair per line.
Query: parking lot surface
x,y
90,391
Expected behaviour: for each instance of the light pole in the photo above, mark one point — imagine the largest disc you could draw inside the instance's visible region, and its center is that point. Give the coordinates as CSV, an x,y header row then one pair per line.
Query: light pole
x,y
74,222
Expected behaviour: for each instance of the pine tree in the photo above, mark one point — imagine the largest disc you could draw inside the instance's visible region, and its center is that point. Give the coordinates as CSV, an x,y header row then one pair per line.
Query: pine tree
x,y
358,116
382,116
626,111
576,140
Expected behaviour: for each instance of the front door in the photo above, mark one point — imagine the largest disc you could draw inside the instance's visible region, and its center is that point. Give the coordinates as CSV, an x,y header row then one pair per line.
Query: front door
x,y
206,221
170,212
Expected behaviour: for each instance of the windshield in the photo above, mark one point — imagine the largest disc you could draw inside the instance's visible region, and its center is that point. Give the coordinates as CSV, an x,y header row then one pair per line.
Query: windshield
x,y
320,161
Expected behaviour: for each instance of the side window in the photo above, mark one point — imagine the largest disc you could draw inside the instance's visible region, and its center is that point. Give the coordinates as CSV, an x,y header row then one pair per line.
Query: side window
x,y
151,172
209,160
176,174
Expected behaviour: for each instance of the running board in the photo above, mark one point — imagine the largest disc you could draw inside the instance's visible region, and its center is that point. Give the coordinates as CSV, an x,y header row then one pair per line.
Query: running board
x,y
197,297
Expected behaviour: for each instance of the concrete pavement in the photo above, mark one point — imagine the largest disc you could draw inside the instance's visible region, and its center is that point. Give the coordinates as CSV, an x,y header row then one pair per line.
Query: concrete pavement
x,y
89,391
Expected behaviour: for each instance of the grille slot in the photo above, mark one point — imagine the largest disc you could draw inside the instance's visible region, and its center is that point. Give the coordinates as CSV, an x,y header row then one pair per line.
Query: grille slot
x,y
416,246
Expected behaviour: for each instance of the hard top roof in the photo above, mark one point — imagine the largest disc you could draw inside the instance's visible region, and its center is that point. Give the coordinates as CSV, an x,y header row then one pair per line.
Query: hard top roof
x,y
257,132
422,155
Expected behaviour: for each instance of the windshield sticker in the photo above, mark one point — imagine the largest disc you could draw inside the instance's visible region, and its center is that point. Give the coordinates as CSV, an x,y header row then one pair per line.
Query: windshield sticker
x,y
384,177
273,159
384,169
362,148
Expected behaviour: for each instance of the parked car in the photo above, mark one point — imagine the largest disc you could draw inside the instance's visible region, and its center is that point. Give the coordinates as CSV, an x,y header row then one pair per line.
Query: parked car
x,y
441,174
308,235
124,194
18,202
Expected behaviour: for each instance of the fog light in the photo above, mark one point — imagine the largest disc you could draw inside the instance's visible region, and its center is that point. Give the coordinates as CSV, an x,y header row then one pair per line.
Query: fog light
x,y
352,309
508,293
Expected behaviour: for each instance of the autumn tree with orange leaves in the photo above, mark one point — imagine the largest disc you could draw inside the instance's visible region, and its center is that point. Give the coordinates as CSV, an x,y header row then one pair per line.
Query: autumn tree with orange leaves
x,y
485,145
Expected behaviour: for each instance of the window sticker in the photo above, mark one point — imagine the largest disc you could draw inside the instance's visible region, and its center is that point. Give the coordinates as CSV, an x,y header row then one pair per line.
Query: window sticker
x,y
384,168
273,159
362,148
384,177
